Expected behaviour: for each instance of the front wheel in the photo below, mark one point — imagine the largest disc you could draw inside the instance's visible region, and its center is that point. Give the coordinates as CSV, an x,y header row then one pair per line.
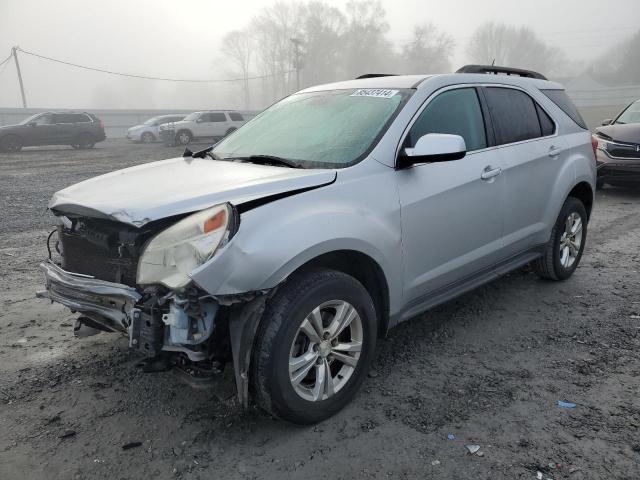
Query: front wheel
x,y
564,250
314,346
11,143
147,137
184,137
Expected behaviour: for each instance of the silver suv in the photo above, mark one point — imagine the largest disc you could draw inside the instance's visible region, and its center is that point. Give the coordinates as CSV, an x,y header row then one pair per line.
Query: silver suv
x,y
288,249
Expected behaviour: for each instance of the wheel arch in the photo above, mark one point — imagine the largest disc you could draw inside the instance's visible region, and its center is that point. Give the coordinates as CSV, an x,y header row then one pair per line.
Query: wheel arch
x,y
363,268
583,192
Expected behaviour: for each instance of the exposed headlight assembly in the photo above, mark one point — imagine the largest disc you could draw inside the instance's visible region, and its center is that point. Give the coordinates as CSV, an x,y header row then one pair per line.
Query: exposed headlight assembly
x,y
174,253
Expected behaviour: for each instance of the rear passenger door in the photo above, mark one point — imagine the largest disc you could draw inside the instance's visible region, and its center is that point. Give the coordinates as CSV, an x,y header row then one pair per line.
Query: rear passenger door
x,y
531,152
451,212
212,124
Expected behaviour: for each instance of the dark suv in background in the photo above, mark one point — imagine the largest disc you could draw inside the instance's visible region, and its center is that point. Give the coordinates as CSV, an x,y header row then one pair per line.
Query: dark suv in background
x,y
618,153
80,130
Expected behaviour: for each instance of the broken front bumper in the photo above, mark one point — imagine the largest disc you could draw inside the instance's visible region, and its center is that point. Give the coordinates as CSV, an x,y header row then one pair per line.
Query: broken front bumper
x,y
114,302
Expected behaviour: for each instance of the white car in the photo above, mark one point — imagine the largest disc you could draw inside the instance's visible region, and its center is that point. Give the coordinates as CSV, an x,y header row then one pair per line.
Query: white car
x,y
147,132
207,124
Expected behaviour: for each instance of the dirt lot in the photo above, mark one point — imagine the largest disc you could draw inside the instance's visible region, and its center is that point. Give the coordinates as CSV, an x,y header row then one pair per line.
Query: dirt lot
x,y
488,368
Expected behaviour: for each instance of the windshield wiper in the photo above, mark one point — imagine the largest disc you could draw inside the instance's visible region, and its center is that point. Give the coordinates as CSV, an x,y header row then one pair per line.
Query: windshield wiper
x,y
267,160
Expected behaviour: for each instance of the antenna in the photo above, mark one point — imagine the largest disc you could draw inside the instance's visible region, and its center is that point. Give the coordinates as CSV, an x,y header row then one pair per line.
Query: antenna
x,y
494,62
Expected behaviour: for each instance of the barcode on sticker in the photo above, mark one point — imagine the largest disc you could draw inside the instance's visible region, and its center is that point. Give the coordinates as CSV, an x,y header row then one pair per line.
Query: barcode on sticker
x,y
374,92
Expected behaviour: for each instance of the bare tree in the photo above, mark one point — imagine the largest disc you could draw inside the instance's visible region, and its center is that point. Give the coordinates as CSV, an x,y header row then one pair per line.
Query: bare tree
x,y
273,28
620,65
323,30
237,46
429,51
512,47
367,50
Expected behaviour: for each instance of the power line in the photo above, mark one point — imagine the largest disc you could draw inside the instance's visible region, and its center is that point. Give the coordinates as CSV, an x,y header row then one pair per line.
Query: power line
x,y
164,79
6,59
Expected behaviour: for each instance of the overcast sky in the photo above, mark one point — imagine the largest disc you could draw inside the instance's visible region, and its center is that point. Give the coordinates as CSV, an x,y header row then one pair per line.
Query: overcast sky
x,y
180,38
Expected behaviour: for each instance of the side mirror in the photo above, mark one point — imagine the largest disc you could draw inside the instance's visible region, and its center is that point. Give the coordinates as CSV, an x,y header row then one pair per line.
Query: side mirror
x,y
606,122
32,124
200,120
434,147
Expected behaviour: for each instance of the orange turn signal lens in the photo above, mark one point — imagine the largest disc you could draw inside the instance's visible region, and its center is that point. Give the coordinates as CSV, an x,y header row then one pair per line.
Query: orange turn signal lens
x,y
215,222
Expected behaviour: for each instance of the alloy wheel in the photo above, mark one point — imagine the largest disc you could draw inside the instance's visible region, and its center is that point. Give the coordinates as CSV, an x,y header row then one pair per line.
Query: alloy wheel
x,y
325,350
570,240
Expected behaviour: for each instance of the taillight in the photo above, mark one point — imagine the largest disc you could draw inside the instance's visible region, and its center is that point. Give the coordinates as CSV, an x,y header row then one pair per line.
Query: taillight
x,y
102,126
594,145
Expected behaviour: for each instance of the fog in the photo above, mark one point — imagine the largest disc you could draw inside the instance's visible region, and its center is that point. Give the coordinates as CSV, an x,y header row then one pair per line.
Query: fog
x,y
190,39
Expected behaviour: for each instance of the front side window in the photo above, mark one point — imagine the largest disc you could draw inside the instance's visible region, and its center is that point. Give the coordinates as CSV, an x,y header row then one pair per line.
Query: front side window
x,y
514,115
326,129
630,115
192,117
456,112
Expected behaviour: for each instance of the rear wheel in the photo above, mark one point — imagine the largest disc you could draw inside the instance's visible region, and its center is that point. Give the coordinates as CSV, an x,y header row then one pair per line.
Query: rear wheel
x,y
314,346
564,250
83,141
11,143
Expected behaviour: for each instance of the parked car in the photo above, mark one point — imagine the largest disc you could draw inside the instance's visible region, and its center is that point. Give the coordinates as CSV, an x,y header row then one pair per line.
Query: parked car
x,y
202,125
290,247
80,130
147,132
618,154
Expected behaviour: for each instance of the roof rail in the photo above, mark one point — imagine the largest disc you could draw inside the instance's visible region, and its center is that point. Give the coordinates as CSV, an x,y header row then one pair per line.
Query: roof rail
x,y
375,75
504,70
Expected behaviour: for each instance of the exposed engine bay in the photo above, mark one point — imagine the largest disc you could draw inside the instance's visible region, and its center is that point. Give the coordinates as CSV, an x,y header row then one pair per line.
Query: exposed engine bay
x,y
92,269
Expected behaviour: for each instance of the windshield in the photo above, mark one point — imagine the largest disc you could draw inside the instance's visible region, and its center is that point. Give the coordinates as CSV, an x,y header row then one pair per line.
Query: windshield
x,y
631,114
153,120
329,129
192,117
29,119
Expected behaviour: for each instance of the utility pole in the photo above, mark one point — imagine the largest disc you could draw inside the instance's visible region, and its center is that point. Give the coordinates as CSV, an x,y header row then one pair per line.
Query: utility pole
x,y
14,52
296,49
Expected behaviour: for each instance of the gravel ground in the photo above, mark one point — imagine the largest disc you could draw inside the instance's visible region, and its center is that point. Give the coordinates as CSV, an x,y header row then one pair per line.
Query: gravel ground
x,y
488,368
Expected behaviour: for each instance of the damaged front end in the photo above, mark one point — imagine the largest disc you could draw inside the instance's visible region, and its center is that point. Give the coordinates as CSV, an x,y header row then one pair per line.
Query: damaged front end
x,y
136,281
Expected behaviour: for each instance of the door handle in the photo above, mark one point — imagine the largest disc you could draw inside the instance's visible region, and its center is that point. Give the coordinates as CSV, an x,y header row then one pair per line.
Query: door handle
x,y
490,172
554,151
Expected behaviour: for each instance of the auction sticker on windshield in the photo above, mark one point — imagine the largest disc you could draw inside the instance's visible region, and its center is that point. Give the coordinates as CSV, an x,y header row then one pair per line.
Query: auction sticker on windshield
x,y
374,92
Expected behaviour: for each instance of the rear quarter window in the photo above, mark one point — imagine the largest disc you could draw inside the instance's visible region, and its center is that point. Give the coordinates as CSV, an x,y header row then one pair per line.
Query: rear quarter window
x,y
562,100
236,117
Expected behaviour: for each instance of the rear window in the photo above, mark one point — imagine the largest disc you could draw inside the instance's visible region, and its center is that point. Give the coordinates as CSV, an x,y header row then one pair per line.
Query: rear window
x,y
562,100
514,115
236,117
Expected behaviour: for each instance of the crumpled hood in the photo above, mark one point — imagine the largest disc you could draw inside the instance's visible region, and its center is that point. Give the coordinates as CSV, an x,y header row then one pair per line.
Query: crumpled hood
x,y
627,132
156,190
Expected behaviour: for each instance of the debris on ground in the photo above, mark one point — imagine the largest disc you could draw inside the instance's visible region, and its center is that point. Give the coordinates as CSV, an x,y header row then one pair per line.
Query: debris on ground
x,y
451,436
130,445
67,434
564,404
473,449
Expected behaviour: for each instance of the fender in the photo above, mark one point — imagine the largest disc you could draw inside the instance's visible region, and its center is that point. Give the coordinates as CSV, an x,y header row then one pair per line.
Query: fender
x,y
275,239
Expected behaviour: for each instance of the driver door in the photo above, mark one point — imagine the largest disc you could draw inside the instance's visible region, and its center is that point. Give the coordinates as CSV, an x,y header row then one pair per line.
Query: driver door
x,y
451,211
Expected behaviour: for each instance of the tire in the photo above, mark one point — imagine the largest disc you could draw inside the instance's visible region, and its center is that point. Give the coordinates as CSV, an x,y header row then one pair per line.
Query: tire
x,y
84,141
184,137
562,256
11,143
147,137
230,131
280,339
